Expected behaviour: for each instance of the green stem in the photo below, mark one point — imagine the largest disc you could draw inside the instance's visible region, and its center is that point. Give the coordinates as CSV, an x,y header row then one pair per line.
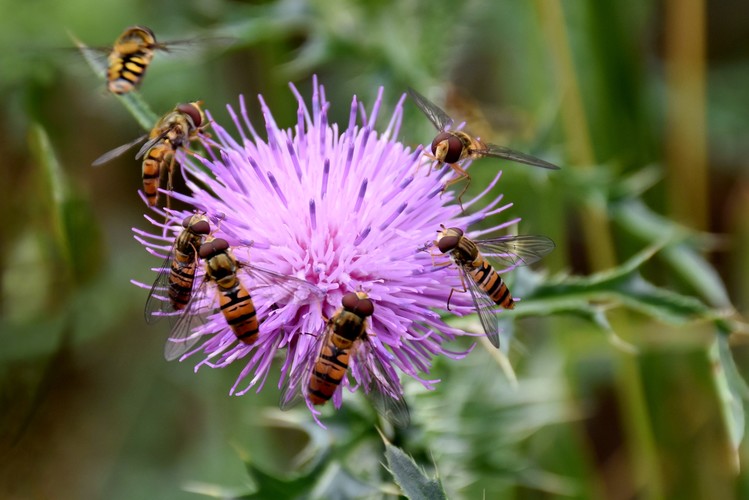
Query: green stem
x,y
685,140
595,227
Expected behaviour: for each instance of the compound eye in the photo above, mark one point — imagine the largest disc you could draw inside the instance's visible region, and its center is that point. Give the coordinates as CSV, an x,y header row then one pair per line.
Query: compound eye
x,y
221,245
453,150
193,111
213,248
206,250
447,243
186,221
349,301
364,308
358,304
201,227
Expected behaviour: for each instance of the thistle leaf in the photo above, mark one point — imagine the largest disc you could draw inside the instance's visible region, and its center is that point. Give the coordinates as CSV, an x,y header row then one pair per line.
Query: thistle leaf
x,y
414,482
617,287
732,389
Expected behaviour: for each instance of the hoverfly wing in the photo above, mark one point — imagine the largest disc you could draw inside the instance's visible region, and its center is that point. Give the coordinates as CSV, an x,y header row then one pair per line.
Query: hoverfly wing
x,y
388,402
485,307
182,337
497,151
98,53
208,41
110,155
436,115
158,303
280,288
292,392
150,143
295,386
507,252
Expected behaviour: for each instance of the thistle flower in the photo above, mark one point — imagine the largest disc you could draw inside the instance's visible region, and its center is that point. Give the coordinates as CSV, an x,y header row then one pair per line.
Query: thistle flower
x,y
344,210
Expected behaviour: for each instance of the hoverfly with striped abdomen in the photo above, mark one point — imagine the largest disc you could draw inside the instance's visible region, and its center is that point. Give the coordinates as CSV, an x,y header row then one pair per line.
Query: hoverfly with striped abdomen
x,y
173,131
453,146
172,289
478,275
123,64
345,337
132,53
130,57
222,270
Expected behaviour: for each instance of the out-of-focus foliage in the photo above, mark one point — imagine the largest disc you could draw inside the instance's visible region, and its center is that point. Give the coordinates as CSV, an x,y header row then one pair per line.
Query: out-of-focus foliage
x,y
412,480
629,347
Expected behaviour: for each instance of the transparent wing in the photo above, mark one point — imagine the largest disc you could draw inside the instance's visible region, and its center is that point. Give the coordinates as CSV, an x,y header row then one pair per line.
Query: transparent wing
x,y
110,155
95,56
158,304
436,115
99,51
151,143
197,42
279,288
294,387
485,307
496,151
389,403
183,337
514,251
99,54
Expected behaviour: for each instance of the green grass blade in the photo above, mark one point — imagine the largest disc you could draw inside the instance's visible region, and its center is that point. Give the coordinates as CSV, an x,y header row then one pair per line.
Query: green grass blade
x,y
76,234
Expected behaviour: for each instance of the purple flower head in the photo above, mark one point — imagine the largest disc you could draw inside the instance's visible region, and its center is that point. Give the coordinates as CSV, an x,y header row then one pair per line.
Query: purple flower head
x,y
346,210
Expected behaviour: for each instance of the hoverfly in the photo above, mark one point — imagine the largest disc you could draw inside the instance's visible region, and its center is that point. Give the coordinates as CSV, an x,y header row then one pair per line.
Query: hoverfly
x,y
235,302
453,146
130,57
174,130
131,54
344,337
479,276
177,273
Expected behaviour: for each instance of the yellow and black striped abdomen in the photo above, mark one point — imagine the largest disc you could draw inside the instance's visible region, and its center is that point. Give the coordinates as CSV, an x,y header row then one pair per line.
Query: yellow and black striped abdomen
x,y
126,71
492,284
329,369
152,165
239,311
181,279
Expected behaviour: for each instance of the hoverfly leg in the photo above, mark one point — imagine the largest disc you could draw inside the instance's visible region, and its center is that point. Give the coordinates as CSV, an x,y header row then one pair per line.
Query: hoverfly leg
x,y
462,175
169,177
433,158
431,167
437,264
453,290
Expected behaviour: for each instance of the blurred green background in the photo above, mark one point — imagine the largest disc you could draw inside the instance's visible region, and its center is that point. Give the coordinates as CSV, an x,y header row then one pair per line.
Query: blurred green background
x,y
628,380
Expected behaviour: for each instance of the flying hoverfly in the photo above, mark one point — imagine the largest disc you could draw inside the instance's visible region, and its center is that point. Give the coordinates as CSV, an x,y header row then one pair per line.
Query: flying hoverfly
x,y
174,130
177,273
124,63
478,274
345,337
131,54
222,270
453,146
130,57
